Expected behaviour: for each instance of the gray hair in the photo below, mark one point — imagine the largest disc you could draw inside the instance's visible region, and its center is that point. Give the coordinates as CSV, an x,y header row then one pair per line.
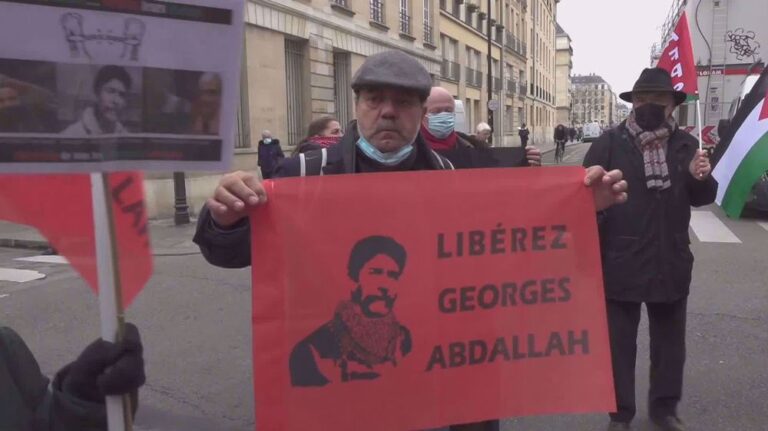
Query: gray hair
x,y
483,127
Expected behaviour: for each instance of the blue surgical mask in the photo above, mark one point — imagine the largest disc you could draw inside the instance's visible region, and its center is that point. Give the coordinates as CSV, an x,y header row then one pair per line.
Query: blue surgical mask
x,y
387,159
267,140
441,125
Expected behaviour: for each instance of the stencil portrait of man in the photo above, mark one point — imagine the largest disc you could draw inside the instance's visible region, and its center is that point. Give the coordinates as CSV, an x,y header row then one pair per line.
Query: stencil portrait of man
x,y
364,338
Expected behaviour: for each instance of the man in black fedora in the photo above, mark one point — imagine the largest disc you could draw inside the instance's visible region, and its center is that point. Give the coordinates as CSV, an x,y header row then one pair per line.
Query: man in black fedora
x,y
645,244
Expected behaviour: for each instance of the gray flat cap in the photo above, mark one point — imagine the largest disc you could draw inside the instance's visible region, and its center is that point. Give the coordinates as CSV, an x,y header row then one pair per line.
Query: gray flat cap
x,y
393,69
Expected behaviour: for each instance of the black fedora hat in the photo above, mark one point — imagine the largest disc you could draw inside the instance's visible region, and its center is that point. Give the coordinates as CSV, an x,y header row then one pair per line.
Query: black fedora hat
x,y
654,79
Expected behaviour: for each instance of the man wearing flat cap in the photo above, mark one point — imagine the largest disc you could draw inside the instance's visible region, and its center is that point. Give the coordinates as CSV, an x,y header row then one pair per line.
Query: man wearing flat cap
x,y
391,89
645,243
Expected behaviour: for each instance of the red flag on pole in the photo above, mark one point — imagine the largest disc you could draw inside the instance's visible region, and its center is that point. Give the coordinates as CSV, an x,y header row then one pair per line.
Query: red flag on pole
x,y
60,207
677,58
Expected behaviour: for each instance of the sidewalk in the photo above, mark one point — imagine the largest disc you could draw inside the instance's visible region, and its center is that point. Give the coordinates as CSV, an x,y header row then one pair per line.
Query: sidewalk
x,y
167,239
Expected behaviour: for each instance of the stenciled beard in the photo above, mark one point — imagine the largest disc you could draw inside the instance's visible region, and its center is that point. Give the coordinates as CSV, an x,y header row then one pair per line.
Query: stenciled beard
x,y
365,302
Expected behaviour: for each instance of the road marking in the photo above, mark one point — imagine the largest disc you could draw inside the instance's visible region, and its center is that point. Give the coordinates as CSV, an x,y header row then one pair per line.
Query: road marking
x,y
44,259
19,275
763,224
4,295
709,228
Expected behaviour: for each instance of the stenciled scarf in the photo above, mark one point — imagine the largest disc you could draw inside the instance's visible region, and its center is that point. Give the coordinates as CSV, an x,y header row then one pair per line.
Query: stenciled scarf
x,y
372,340
653,145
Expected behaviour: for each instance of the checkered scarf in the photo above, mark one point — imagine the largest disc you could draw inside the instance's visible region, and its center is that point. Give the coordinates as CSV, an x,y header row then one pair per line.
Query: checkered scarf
x,y
653,144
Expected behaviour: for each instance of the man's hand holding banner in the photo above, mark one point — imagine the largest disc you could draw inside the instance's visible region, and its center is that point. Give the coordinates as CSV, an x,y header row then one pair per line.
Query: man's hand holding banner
x,y
417,300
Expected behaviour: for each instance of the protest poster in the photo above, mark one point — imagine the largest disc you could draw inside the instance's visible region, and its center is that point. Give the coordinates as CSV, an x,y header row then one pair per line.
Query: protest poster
x,y
104,85
417,300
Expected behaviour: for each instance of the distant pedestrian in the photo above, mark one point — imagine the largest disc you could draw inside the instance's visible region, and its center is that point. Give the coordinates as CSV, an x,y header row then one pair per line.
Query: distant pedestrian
x,y
270,154
523,132
560,136
321,133
572,134
645,244
483,132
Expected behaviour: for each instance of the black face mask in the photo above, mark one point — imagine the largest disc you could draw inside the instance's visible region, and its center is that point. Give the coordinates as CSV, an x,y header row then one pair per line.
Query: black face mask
x,y
650,116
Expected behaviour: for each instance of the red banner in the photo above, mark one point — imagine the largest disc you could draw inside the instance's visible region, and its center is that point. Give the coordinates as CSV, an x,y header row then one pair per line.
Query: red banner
x,y
416,300
60,207
677,58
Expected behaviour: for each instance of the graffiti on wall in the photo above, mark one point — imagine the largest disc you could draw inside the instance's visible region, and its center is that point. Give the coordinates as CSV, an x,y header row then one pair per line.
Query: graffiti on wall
x,y
742,43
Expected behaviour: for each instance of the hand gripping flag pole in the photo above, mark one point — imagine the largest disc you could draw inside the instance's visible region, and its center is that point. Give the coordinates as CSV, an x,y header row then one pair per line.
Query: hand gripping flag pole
x,y
110,296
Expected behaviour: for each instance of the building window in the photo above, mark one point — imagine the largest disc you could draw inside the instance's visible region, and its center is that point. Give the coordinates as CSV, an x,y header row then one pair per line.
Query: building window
x,y
428,22
377,11
450,65
405,17
456,8
342,82
294,89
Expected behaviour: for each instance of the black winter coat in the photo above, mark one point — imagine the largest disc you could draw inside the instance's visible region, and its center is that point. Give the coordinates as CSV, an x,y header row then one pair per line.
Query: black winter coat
x,y
644,243
231,248
270,155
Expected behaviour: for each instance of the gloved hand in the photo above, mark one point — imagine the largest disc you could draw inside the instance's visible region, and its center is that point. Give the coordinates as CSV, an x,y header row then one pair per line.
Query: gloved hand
x,y
105,368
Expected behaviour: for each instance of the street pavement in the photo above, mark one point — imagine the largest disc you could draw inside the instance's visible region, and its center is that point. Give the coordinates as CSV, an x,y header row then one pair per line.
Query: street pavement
x,y
195,323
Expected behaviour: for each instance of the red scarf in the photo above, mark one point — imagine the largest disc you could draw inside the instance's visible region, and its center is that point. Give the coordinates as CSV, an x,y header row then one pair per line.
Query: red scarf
x,y
324,141
438,144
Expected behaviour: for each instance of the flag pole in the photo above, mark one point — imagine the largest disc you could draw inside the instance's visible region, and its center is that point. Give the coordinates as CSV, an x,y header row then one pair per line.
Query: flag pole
x,y
698,120
110,294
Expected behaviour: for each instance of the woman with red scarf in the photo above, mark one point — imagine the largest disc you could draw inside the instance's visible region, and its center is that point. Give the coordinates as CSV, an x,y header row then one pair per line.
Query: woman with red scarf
x,y
321,133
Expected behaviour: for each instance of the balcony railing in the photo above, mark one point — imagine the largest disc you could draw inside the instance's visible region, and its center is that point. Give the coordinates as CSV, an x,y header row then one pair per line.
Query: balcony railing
x,y
450,70
342,3
428,34
474,77
511,86
523,87
377,11
405,23
499,36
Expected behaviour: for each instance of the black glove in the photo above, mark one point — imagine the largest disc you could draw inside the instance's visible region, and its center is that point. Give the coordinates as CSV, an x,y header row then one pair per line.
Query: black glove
x,y
106,368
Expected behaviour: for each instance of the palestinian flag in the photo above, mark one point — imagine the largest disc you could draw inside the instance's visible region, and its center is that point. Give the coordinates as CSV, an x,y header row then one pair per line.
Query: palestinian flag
x,y
742,156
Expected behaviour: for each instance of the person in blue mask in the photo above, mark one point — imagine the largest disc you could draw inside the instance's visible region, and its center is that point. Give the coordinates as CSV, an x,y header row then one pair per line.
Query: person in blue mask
x,y
439,127
270,154
391,90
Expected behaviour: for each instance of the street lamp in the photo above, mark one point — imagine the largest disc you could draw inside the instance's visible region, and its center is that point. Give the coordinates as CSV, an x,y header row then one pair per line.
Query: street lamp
x,y
181,209
490,74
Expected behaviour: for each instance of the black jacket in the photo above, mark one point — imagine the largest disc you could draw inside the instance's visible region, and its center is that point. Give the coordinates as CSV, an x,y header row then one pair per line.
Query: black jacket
x,y
231,248
644,242
270,155
27,403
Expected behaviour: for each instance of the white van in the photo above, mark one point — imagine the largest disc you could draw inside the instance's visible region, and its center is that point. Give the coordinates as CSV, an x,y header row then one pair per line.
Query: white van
x,y
591,131
746,87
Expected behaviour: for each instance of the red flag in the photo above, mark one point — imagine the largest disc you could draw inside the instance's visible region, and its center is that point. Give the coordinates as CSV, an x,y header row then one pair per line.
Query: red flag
x,y
60,207
431,301
677,58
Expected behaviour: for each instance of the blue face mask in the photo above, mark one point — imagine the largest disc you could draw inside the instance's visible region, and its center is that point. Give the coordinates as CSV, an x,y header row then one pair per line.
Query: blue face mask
x,y
441,125
387,159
